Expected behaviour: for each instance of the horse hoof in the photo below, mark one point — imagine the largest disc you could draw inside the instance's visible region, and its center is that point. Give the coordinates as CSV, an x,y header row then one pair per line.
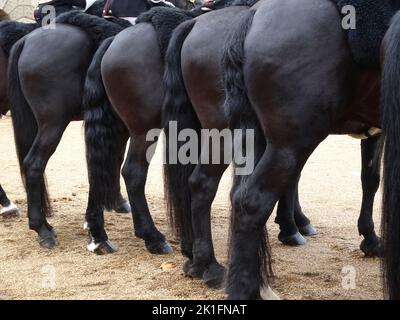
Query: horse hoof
x,y
214,276
159,248
372,248
10,211
193,270
294,240
49,241
308,230
124,207
266,293
102,248
47,237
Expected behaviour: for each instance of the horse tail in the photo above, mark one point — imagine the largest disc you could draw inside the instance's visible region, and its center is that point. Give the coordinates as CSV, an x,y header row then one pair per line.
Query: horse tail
x,y
177,108
24,121
101,134
241,115
390,96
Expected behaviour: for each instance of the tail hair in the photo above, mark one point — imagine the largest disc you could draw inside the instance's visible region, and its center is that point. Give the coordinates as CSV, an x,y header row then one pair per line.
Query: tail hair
x,y
390,96
177,107
241,115
101,134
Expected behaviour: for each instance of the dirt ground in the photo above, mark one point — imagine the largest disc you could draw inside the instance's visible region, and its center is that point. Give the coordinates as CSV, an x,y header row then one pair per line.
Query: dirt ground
x,y
330,194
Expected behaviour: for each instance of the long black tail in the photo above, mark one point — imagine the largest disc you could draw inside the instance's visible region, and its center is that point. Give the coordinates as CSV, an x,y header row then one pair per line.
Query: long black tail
x,y
24,122
177,108
101,134
391,172
241,115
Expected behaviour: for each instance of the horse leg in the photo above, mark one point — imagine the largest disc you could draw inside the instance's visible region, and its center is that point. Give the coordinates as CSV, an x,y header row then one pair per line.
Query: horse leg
x,y
370,177
34,165
3,82
135,172
4,201
302,221
253,201
9,208
293,223
122,205
204,183
99,243
289,232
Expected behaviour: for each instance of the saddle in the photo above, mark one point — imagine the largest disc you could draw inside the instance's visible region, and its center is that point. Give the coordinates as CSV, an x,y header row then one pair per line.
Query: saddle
x,y
372,21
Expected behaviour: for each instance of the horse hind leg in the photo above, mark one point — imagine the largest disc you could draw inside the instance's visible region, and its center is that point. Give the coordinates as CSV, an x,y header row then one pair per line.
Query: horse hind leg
x,y
204,183
252,204
370,177
302,221
122,205
34,166
4,201
289,232
293,223
9,208
135,172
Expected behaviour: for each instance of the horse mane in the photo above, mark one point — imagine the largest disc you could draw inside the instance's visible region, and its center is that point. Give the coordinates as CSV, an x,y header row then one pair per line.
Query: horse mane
x,y
12,31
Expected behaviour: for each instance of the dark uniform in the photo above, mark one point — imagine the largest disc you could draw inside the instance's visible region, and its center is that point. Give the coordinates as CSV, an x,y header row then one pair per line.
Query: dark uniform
x,y
112,8
125,8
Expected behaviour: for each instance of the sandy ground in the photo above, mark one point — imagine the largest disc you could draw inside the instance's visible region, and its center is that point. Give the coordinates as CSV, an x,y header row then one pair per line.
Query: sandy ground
x,y
330,194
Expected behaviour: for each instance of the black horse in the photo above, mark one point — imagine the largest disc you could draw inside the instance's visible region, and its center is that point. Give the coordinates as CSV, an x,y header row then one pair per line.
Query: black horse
x,y
12,31
35,89
43,101
130,75
296,79
119,65
195,98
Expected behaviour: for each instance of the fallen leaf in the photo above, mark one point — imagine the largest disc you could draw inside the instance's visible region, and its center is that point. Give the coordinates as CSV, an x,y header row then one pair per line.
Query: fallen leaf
x,y
167,266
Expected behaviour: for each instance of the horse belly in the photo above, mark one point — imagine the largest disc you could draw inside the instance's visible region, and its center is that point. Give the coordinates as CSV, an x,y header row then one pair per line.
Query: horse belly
x,y
362,113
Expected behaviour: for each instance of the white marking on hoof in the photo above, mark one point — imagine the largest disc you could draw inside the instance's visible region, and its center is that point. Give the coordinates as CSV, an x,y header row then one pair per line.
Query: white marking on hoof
x,y
85,226
266,293
92,246
11,209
